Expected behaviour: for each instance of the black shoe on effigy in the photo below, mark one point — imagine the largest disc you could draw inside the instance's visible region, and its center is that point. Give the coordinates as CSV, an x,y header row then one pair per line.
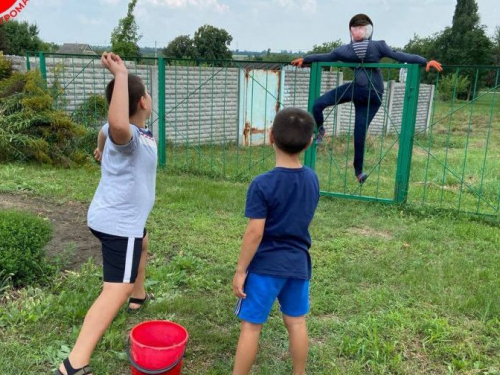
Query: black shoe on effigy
x,y
321,134
361,178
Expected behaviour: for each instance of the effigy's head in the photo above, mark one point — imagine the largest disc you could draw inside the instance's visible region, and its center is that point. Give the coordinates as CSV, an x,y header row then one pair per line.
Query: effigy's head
x,y
361,27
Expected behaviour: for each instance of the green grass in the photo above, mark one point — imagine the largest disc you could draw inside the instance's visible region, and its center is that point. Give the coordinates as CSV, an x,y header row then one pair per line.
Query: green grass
x,y
394,290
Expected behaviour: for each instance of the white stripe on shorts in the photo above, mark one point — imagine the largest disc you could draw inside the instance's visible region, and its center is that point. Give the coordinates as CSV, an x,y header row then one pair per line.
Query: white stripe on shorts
x,y
237,309
129,260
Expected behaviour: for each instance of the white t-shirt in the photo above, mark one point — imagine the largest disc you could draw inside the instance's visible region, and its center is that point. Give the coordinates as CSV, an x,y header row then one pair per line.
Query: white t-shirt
x,y
126,192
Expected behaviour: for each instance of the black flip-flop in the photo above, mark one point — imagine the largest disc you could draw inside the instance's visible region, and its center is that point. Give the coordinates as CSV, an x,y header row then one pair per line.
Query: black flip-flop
x,y
85,370
139,301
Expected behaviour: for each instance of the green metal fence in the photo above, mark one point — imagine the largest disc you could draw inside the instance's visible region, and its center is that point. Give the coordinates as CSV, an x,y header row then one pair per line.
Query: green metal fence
x,y
456,163
218,114
79,82
443,151
210,117
433,142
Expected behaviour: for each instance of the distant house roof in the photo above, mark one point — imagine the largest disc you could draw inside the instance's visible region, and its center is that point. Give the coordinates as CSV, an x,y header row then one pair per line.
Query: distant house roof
x,y
76,48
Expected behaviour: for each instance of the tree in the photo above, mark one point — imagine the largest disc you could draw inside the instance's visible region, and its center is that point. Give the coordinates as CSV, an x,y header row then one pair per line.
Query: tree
x,y
49,47
4,42
496,46
21,37
326,47
466,16
125,36
465,42
425,47
212,43
493,78
181,47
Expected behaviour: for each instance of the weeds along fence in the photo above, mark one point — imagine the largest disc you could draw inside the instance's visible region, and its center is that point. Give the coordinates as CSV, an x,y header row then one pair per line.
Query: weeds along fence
x,y
213,117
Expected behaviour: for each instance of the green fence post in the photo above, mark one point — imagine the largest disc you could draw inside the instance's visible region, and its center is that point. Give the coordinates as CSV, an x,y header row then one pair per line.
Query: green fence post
x,y
407,132
314,91
43,66
28,63
162,147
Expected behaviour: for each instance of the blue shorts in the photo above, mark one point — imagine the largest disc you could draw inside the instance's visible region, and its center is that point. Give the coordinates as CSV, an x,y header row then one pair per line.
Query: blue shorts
x,y
262,291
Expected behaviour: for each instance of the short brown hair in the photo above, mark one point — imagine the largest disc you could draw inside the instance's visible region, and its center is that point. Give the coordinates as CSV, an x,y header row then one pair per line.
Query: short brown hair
x,y
136,90
292,130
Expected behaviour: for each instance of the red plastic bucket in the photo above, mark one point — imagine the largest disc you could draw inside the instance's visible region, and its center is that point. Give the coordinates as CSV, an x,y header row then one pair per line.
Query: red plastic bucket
x,y
157,347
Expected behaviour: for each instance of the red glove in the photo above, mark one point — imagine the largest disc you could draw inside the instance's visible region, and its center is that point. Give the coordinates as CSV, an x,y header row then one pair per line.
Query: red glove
x,y
298,62
434,64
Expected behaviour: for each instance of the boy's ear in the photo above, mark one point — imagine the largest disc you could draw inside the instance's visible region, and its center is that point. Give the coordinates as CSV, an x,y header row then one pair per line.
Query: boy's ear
x,y
310,142
271,136
143,103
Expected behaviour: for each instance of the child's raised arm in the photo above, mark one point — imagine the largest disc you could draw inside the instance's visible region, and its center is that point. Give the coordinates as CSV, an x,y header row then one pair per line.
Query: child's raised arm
x,y
251,241
118,114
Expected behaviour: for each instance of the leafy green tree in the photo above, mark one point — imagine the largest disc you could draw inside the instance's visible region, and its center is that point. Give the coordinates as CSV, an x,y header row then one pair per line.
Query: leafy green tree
x,y
21,37
49,47
4,42
492,77
212,43
466,15
268,56
181,47
425,47
465,42
326,47
125,36
279,57
496,46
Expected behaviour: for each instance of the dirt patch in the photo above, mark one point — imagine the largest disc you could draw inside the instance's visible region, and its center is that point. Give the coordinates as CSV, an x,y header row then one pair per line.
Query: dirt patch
x,y
71,238
370,232
420,151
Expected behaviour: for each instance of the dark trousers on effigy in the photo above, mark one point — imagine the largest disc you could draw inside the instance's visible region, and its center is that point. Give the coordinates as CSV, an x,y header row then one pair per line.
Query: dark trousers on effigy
x,y
366,104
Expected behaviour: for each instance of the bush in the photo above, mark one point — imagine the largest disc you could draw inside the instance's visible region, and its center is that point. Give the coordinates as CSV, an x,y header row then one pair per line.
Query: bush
x,y
31,129
12,85
5,279
446,87
92,112
88,143
22,241
5,68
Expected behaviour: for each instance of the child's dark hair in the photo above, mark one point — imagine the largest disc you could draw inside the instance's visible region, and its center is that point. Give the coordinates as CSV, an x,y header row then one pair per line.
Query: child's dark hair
x,y
292,130
136,90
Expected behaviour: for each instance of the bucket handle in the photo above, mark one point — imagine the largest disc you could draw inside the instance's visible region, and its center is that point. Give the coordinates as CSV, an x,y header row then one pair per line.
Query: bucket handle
x,y
152,372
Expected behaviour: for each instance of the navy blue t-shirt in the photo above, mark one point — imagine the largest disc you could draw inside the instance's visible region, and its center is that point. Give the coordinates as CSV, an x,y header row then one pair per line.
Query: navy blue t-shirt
x,y
287,199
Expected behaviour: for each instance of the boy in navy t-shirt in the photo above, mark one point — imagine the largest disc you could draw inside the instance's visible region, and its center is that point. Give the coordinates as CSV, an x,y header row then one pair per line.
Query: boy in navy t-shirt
x,y
274,260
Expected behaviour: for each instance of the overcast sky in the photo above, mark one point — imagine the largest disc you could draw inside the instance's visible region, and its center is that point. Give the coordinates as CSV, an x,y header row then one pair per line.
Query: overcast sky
x,y
254,24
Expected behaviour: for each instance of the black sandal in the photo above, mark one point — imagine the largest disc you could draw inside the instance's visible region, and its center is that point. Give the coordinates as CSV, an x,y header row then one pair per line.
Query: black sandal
x,y
85,370
140,302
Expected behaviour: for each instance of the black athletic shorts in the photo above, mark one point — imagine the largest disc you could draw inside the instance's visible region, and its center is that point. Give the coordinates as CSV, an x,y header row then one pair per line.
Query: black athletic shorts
x,y
120,257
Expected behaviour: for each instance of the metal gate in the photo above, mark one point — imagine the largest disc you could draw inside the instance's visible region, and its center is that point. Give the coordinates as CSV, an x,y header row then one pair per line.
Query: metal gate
x,y
387,157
